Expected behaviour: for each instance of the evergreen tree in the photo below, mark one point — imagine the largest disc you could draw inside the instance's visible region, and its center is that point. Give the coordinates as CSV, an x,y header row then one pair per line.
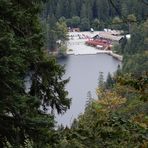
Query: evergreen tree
x,y
83,11
109,82
58,10
104,10
73,9
89,99
101,80
85,24
96,24
75,21
27,113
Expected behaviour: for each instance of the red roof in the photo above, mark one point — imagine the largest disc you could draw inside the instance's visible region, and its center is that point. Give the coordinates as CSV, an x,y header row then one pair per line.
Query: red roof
x,y
96,42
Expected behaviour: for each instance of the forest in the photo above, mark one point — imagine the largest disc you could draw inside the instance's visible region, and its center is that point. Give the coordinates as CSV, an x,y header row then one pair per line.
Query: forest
x,y
86,14
117,118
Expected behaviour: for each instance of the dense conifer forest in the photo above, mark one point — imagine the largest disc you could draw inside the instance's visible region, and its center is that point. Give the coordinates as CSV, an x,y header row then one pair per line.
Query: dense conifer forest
x,y
117,118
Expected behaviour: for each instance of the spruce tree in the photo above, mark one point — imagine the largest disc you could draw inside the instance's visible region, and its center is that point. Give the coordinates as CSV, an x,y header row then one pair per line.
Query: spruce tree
x,y
27,113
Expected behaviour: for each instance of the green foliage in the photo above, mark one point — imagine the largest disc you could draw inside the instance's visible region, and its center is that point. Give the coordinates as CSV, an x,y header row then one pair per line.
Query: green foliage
x,y
24,112
109,82
131,18
97,9
117,119
55,31
101,82
139,61
117,23
134,49
96,24
85,24
89,99
75,21
61,30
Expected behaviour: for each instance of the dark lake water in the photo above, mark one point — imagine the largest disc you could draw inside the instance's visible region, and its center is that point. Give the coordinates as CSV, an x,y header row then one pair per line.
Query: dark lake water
x,y
83,71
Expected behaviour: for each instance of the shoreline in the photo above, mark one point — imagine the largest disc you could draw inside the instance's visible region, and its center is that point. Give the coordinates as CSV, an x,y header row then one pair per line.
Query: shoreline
x,y
116,56
76,45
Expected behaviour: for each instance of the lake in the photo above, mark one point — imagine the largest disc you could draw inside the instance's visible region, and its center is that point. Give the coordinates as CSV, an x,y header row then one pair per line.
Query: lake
x,y
83,71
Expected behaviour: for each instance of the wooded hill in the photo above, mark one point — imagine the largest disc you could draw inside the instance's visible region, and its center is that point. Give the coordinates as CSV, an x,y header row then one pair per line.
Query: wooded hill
x,y
94,13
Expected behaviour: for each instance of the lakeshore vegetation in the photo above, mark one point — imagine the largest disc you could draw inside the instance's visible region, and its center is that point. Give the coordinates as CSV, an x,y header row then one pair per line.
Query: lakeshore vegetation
x,y
117,118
